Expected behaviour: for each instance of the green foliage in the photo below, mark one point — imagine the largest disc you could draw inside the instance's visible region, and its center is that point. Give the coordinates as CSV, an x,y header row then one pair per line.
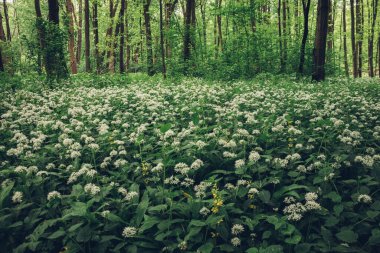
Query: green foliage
x,y
126,163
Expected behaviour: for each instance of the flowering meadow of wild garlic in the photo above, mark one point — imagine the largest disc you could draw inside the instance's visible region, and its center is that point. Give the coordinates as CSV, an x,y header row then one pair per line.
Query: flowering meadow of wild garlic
x,y
251,167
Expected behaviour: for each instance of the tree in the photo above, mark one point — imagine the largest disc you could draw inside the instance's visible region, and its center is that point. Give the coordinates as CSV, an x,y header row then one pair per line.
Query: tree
x,y
319,53
6,16
353,43
95,27
121,45
70,13
41,36
79,40
306,9
371,38
345,39
189,27
2,39
148,36
87,34
359,41
55,63
162,42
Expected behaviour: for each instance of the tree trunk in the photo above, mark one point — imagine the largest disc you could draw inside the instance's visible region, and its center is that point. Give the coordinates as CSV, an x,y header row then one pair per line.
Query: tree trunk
x,y
345,39
148,35
2,39
95,28
79,42
162,43
6,16
359,32
320,41
70,11
169,9
280,35
284,33
87,34
41,37
121,45
353,43
330,29
219,24
371,38
55,59
306,9
128,49
189,26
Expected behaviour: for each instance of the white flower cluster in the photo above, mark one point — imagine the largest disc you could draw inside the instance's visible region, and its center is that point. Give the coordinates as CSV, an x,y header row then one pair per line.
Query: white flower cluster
x,y
295,210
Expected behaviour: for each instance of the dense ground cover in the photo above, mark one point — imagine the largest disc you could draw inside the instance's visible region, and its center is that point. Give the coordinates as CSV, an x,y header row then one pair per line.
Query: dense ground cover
x,y
258,166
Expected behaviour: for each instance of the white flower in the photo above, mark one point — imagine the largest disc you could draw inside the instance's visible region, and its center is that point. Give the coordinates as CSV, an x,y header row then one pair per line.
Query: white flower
x,y
129,232
53,195
91,189
237,229
254,156
204,211
235,241
130,195
364,198
239,163
105,213
17,197
182,245
196,164
182,168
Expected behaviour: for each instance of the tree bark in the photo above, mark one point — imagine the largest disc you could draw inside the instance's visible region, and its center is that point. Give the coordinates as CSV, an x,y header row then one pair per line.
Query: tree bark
x,y
41,36
148,36
353,43
284,34
306,9
87,34
320,41
359,32
95,28
345,39
121,45
70,13
282,64
189,26
79,39
371,38
2,38
330,29
162,42
6,16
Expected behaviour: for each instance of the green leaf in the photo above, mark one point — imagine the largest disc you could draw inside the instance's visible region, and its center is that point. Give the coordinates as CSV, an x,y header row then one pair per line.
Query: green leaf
x,y
148,223
75,227
56,234
302,248
197,223
252,250
335,197
40,229
141,209
264,195
206,248
347,235
5,192
165,127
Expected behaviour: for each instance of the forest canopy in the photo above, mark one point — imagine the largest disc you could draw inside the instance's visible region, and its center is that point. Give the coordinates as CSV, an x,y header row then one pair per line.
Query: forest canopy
x,y
205,38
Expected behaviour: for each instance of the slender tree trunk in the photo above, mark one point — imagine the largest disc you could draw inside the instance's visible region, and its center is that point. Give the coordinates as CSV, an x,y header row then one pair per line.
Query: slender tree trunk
x,y
345,39
79,40
353,42
6,16
87,34
371,38
2,39
330,29
359,41
70,11
148,35
41,36
320,41
284,33
162,42
169,9
128,49
282,63
296,17
95,28
219,24
189,26
204,25
306,9
121,45
55,59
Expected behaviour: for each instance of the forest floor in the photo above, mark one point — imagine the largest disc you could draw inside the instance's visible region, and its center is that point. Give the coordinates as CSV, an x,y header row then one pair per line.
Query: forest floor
x,y
118,165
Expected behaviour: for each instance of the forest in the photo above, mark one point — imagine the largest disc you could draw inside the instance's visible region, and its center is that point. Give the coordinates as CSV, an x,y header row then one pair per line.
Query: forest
x,y
245,126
